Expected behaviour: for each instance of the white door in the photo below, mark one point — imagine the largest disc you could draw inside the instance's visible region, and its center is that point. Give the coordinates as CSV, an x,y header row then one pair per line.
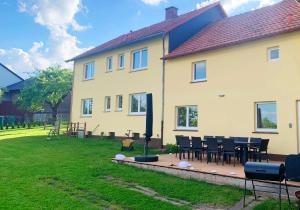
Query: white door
x,y
298,111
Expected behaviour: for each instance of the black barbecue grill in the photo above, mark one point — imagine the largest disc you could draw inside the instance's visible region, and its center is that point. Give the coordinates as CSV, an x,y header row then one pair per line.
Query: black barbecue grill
x,y
264,171
255,171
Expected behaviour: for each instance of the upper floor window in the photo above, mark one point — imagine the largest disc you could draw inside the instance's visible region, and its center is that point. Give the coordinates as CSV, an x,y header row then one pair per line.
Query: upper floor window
x,y
140,59
119,102
89,71
187,117
266,116
199,71
138,103
87,107
107,103
121,61
273,53
109,64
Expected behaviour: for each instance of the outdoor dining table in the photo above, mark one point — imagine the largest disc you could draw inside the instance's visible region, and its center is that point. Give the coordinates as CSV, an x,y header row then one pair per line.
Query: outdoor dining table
x,y
244,147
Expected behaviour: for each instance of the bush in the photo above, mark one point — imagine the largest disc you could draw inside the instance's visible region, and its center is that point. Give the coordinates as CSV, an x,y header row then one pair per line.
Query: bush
x,y
171,148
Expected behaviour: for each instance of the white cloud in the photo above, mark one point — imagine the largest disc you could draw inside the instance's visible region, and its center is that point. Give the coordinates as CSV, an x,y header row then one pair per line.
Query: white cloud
x,y
153,2
231,5
264,3
205,3
58,17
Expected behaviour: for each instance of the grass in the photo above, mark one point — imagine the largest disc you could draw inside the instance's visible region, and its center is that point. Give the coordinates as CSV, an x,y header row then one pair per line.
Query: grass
x,y
274,204
68,173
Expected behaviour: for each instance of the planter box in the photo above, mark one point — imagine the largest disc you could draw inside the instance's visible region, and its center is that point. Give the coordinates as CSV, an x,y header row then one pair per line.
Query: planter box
x,y
135,136
111,135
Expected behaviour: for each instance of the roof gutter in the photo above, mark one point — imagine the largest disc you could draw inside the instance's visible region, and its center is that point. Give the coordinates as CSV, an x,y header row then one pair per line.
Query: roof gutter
x,y
145,38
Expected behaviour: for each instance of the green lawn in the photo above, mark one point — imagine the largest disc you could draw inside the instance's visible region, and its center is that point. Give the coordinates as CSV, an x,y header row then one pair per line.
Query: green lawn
x,y
274,204
68,173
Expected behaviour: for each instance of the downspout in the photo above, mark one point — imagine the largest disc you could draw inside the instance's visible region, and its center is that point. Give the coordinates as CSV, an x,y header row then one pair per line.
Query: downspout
x,y
72,93
163,92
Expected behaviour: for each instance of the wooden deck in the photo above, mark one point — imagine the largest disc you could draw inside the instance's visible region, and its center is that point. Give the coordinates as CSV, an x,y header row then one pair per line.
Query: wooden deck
x,y
211,172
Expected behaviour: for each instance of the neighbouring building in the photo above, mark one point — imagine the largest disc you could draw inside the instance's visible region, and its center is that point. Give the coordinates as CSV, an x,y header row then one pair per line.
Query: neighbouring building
x,y
218,75
8,77
8,107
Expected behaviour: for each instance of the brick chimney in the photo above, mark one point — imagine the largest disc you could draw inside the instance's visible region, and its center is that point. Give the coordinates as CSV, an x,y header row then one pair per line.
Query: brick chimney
x,y
171,12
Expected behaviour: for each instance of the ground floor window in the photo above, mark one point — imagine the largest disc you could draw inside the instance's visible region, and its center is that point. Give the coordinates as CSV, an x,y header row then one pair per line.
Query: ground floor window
x,y
87,107
187,117
266,116
138,103
107,103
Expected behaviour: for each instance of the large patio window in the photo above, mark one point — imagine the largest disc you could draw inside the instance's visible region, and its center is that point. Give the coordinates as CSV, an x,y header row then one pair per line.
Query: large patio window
x,y
187,117
87,107
138,104
140,59
266,116
89,71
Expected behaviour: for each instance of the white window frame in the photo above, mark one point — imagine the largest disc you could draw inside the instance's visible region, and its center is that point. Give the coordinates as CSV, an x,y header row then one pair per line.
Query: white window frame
x,y
269,53
140,60
119,61
82,107
117,102
139,104
187,127
194,69
106,103
92,76
108,60
265,129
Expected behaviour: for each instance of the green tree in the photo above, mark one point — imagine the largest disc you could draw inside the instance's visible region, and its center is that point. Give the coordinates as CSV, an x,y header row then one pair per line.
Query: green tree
x,y
268,123
49,86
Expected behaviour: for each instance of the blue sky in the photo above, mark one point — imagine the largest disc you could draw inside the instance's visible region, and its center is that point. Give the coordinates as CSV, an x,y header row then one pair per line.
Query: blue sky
x,y
39,33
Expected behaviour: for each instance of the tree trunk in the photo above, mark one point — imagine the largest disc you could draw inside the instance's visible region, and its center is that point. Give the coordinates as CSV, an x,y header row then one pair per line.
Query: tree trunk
x,y
54,113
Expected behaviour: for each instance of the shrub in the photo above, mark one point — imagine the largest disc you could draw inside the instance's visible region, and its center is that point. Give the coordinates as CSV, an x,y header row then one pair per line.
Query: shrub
x,y
171,148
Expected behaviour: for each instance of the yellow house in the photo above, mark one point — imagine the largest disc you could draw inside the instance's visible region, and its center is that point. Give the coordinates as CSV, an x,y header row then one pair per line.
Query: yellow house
x,y
209,75
239,77
111,80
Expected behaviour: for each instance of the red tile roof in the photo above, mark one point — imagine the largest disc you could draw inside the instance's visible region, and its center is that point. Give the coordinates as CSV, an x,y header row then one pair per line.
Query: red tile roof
x,y
272,20
156,29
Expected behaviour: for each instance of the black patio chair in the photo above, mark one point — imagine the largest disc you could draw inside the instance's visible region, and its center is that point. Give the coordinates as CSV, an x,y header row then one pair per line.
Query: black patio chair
x,y
178,139
240,139
220,139
254,146
197,148
292,169
205,139
261,151
184,147
229,150
213,150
